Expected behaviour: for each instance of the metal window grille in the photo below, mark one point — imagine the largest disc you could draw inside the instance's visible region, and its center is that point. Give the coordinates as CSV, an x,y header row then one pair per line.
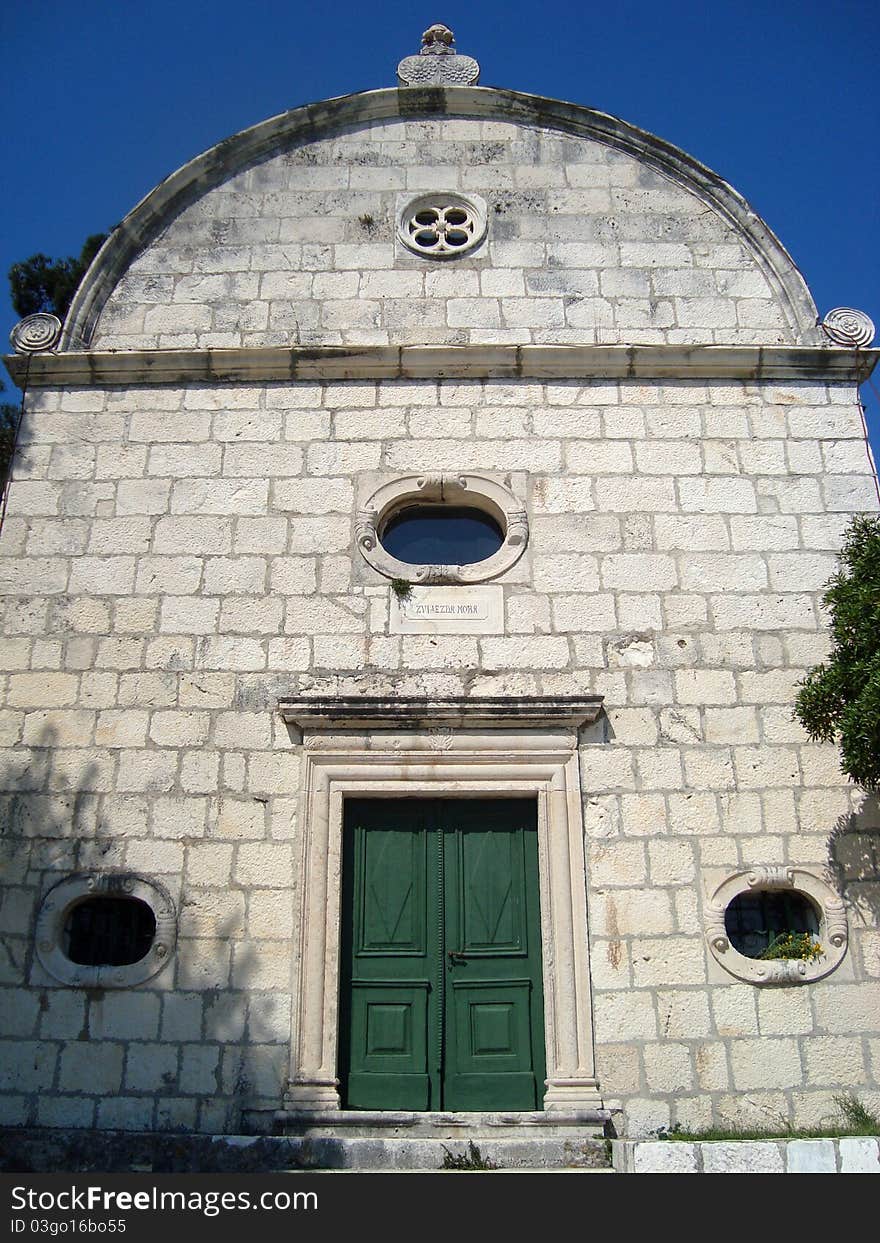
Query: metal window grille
x,y
753,920
111,932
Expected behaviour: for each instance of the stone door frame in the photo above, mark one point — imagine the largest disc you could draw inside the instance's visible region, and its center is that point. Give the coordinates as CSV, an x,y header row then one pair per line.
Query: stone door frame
x,y
353,752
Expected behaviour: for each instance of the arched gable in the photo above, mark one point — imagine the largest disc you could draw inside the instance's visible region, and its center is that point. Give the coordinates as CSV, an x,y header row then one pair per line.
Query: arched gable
x,y
285,234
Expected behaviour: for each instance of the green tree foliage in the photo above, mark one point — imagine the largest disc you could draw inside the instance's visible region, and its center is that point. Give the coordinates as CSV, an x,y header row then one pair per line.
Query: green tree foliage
x,y
8,424
839,701
44,284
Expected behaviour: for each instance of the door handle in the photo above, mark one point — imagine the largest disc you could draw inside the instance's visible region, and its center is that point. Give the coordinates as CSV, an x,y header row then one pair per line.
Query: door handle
x,y
455,956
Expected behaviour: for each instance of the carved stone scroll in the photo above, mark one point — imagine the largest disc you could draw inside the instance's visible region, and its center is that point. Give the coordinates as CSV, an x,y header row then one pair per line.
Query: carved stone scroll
x,y
35,333
771,878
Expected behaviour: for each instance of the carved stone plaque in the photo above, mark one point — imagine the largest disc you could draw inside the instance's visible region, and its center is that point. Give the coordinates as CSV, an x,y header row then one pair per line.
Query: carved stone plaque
x,y
448,610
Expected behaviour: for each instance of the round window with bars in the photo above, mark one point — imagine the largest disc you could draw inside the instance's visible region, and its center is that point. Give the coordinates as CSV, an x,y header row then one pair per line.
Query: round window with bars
x,y
776,924
441,227
105,930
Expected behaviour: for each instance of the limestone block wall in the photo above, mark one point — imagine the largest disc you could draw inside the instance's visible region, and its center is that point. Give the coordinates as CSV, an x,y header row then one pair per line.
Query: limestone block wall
x,y
174,559
585,244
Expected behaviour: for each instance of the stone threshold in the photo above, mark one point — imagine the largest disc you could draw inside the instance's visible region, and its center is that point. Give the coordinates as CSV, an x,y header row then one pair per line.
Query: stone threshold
x,y
378,1124
438,362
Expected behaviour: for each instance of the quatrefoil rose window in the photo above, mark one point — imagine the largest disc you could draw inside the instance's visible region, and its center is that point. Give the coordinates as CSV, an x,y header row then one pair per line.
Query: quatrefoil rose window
x,y
442,226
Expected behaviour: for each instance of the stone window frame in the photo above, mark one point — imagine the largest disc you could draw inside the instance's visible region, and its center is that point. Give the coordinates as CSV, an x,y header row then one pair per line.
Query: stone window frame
x,y
833,929
399,748
474,489
441,201
69,892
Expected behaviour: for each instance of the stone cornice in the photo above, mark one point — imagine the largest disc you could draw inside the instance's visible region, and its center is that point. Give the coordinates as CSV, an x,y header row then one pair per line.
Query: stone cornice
x,y
551,362
359,712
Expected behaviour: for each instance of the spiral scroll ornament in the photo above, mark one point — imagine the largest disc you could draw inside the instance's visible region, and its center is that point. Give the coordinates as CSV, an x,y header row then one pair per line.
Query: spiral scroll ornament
x,y
848,327
716,930
365,529
35,333
835,922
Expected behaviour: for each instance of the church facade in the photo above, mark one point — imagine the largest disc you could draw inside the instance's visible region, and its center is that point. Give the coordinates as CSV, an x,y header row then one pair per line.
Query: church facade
x,y
417,534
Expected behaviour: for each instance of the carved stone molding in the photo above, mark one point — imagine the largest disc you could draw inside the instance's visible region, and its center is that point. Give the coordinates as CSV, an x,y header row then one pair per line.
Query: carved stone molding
x,y
439,761
446,362
833,930
782,971
773,877
836,926
60,900
365,711
476,490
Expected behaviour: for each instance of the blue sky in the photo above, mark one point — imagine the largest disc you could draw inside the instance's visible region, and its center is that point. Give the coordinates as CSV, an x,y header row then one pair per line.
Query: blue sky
x,y
102,100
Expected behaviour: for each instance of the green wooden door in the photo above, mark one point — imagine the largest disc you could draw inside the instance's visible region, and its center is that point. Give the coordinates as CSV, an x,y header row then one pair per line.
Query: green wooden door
x,y
441,997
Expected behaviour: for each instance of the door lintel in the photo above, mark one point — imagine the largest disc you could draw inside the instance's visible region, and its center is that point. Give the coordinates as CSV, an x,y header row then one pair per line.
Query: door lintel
x,y
457,712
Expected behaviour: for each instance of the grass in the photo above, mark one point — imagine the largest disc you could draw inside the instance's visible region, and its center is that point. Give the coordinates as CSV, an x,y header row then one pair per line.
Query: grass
x,y
856,1115
856,1120
472,1159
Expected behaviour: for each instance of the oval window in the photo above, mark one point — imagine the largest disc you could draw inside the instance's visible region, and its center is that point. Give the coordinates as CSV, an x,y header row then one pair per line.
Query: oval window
x,y
109,932
442,534
770,924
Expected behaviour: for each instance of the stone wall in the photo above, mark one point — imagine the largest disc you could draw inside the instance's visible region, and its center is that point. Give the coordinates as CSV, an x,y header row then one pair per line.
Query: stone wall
x,y
585,244
176,559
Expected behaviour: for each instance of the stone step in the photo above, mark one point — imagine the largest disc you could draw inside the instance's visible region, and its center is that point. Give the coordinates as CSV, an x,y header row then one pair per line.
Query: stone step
x,y
520,1169
402,1124
47,1150
392,1154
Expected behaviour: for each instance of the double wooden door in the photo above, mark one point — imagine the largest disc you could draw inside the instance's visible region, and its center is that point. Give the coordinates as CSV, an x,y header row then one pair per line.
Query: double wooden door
x,y
441,987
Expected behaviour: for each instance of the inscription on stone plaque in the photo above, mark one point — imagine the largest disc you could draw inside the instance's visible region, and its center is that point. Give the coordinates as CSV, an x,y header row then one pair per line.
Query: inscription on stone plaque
x,y
448,610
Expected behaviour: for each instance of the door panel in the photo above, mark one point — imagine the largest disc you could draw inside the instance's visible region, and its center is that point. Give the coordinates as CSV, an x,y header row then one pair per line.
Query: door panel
x,y
490,1057
441,996
390,962
494,1050
490,894
388,1040
391,908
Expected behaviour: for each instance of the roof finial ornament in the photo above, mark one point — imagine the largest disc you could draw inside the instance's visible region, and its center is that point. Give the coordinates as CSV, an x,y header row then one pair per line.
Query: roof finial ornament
x,y
438,40
438,63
